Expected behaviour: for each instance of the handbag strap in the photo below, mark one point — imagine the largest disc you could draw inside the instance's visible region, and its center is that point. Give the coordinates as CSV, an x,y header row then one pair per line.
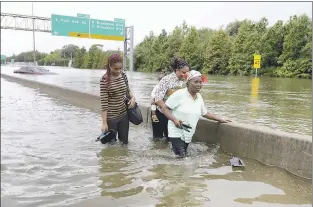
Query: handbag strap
x,y
127,86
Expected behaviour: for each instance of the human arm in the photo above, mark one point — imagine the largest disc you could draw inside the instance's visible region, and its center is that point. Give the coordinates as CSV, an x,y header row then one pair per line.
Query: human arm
x,y
132,100
211,116
171,104
104,104
160,92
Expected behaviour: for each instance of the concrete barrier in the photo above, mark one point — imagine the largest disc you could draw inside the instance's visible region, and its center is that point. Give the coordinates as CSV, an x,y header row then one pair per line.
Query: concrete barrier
x,y
292,152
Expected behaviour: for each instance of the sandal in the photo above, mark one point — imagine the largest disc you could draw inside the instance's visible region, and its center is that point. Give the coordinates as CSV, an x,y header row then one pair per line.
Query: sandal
x,y
154,118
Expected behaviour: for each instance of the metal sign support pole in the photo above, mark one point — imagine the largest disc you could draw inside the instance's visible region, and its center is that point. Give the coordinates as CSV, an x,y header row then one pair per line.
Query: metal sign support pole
x,y
125,50
131,51
34,34
129,48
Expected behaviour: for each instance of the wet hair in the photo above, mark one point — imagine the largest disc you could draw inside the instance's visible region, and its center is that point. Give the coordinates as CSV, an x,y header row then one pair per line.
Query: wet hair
x,y
178,63
112,59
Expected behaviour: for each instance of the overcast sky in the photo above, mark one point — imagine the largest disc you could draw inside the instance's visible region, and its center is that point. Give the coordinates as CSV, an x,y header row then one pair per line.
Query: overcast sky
x,y
144,16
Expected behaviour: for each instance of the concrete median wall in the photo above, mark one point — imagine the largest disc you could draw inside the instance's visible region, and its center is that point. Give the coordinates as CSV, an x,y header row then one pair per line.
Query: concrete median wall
x,y
289,151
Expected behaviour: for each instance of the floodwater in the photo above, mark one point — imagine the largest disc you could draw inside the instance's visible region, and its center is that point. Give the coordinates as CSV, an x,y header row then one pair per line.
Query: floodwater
x,y
49,158
279,103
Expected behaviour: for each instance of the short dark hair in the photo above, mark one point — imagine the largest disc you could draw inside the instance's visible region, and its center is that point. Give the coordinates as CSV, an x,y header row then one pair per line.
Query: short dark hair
x,y
178,63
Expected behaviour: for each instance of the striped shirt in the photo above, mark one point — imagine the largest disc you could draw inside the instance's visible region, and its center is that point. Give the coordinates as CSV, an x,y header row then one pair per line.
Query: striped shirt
x,y
113,97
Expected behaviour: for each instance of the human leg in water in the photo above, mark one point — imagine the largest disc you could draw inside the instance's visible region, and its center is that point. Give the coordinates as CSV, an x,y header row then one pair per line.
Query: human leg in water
x,y
123,129
163,124
157,127
112,124
179,147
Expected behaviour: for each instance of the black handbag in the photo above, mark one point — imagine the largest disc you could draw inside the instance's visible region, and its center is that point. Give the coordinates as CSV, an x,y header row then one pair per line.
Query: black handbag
x,y
134,114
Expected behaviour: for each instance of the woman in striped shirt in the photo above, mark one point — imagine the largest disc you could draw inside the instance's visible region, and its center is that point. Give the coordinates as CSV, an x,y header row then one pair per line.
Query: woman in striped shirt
x,y
113,89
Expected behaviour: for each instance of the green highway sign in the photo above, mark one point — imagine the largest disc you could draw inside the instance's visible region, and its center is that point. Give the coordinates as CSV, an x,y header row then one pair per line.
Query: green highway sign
x,y
83,27
3,59
104,27
87,16
119,20
63,25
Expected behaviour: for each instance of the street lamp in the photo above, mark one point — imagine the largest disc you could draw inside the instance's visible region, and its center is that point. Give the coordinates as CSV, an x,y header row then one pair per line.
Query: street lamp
x,y
34,34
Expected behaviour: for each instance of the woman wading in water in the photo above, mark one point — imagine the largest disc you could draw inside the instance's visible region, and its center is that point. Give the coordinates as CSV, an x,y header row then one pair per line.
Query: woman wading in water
x,y
164,89
184,109
113,90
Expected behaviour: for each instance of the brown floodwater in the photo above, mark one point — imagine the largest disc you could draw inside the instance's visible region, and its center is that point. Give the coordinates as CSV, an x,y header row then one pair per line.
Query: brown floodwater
x,y
49,158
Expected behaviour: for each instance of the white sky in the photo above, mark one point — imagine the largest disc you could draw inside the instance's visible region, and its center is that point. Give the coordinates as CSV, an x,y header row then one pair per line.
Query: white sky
x,y
144,16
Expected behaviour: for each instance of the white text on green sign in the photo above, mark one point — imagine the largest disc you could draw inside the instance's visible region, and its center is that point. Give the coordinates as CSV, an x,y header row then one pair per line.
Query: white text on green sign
x,y
87,28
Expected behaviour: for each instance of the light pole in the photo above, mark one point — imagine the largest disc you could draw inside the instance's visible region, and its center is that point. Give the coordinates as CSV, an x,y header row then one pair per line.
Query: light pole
x,y
34,33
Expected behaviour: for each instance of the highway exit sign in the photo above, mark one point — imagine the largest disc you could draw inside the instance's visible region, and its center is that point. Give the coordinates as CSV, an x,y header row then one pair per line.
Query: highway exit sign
x,y
83,26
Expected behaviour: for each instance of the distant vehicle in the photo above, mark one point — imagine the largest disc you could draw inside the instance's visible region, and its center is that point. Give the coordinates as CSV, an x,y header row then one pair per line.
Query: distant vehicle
x,y
33,70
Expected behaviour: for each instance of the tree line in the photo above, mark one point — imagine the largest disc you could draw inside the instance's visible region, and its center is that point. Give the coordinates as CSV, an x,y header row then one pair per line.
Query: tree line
x,y
285,49
94,58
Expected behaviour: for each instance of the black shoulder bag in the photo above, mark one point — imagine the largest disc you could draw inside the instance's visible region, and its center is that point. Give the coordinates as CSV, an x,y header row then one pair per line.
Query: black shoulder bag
x,y
134,114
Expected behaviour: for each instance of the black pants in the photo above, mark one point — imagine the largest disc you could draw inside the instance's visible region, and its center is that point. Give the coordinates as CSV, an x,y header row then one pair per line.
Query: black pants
x,y
179,147
121,127
160,128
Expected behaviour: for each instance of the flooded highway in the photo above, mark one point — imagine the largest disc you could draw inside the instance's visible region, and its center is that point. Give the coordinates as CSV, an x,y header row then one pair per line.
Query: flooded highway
x,y
49,158
279,103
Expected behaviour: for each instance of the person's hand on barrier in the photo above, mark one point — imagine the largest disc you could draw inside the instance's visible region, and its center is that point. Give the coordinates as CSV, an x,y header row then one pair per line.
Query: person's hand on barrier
x,y
224,121
131,103
104,128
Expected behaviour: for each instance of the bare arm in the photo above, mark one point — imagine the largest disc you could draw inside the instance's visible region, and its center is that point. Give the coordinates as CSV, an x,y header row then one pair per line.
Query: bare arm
x,y
172,103
160,93
131,102
166,111
161,104
104,101
131,95
211,116
104,117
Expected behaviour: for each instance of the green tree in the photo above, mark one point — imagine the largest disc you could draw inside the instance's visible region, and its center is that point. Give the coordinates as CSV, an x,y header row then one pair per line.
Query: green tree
x,y
218,54
79,58
246,44
272,45
296,55
190,49
69,50
174,42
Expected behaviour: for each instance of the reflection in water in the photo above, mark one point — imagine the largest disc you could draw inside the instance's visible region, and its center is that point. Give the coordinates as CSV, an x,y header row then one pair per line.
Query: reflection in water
x,y
255,83
49,158
255,90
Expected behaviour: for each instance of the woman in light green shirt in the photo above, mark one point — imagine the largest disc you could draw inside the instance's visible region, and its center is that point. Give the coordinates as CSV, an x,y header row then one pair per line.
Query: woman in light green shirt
x,y
186,106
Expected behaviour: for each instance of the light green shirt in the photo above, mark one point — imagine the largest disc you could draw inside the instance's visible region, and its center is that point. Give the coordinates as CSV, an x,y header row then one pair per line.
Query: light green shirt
x,y
187,109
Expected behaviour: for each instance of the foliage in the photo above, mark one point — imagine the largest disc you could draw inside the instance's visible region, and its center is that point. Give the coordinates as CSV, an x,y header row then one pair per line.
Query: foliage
x,y
285,48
